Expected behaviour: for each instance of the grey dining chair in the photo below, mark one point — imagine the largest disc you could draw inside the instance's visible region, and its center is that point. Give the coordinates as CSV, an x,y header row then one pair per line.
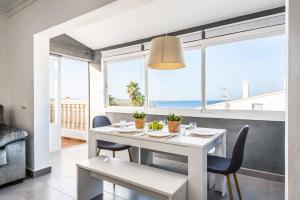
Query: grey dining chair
x,y
100,121
227,166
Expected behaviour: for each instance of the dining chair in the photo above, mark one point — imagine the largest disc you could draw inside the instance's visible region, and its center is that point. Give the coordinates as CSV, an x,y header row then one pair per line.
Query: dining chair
x,y
100,121
227,166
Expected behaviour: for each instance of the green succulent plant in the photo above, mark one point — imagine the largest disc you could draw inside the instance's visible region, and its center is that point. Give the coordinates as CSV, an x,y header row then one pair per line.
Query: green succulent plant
x,y
139,115
173,117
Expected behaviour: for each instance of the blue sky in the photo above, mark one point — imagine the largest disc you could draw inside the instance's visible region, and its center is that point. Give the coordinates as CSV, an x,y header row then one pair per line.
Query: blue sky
x,y
260,61
74,78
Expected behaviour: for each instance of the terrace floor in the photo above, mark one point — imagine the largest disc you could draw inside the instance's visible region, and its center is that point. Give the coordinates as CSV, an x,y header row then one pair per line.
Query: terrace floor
x,y
61,183
70,142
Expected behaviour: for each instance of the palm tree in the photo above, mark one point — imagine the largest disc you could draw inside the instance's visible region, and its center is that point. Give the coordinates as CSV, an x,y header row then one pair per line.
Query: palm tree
x,y
136,97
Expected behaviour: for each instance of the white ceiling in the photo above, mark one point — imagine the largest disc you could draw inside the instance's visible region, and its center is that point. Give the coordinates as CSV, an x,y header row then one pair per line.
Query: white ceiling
x,y
164,15
11,7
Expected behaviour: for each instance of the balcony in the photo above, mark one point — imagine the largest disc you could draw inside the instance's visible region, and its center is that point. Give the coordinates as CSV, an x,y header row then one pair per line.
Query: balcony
x,y
74,121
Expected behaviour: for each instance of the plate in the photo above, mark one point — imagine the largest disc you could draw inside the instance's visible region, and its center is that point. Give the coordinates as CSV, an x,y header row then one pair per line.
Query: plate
x,y
202,132
117,125
158,134
127,130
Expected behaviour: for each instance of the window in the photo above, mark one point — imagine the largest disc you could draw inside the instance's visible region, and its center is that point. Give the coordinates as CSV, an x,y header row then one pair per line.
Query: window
x,y
179,88
246,75
125,82
239,75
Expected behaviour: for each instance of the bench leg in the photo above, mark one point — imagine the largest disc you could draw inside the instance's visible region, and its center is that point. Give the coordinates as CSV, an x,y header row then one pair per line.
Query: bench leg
x,y
181,194
88,187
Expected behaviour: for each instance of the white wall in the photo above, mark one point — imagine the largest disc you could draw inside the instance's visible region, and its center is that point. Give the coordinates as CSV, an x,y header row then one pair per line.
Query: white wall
x,y
22,27
4,70
73,133
29,33
96,87
293,115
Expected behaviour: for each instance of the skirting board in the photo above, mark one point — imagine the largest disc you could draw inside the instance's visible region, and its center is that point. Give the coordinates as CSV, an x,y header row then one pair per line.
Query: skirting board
x,y
37,173
244,171
262,174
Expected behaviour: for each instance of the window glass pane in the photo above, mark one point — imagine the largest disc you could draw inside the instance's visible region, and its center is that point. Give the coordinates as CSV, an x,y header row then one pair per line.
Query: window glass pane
x,y
179,88
74,79
246,75
125,83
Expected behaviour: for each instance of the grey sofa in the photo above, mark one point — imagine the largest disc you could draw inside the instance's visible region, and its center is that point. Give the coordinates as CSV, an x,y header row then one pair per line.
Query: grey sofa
x,y
12,152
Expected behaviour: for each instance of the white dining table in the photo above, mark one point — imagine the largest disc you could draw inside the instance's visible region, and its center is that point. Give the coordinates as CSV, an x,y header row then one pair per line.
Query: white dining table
x,y
195,148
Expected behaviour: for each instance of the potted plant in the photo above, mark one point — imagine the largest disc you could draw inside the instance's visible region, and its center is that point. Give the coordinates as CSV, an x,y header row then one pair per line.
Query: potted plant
x,y
174,123
139,119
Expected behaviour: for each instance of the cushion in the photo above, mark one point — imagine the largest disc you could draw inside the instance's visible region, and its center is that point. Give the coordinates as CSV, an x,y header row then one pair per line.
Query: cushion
x,y
9,135
216,164
3,160
111,146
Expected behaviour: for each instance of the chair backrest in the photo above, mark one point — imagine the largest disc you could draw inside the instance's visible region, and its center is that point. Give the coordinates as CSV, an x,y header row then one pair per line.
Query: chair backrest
x,y
100,121
238,150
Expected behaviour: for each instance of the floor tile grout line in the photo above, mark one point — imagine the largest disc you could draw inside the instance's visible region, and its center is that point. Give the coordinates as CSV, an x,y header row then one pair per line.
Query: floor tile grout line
x,y
46,184
60,191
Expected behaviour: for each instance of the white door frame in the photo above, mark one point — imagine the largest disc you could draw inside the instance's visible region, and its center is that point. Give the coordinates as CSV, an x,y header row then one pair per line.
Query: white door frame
x,y
55,128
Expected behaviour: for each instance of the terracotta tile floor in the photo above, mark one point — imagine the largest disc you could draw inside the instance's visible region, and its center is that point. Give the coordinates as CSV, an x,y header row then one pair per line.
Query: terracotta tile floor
x,y
69,142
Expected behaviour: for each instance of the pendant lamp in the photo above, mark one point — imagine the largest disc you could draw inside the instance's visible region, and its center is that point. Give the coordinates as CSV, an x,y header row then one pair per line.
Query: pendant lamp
x,y
166,53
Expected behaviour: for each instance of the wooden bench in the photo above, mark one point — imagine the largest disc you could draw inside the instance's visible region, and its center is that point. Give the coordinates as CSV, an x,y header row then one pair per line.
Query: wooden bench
x,y
157,183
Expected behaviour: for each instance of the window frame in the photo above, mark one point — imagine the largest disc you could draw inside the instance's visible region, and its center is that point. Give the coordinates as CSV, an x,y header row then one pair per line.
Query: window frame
x,y
115,59
210,113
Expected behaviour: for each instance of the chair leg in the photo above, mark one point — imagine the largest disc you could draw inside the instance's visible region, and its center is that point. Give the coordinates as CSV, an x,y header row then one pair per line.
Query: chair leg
x,y
237,186
130,157
114,154
229,187
98,152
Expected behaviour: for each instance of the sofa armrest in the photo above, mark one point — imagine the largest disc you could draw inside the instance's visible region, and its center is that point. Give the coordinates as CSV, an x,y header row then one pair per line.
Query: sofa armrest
x,y
10,135
1,115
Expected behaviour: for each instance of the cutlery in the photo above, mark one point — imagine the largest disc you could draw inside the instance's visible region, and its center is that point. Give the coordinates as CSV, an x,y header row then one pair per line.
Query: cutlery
x,y
141,134
172,136
135,133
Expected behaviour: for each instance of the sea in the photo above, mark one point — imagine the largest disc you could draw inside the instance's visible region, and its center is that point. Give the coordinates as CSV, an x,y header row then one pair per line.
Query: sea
x,y
181,104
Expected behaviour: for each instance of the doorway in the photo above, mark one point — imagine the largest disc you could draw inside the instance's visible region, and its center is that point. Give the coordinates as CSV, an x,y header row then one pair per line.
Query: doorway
x,y
68,92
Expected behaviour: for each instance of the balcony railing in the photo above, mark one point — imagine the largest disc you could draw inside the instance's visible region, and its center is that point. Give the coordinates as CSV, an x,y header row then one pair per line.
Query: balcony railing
x,y
73,114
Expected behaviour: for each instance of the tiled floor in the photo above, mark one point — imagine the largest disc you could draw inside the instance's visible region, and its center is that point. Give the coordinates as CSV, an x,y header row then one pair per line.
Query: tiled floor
x,y
69,142
61,183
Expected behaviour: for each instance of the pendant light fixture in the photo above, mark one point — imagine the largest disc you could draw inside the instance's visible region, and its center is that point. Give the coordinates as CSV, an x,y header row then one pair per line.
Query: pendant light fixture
x,y
166,53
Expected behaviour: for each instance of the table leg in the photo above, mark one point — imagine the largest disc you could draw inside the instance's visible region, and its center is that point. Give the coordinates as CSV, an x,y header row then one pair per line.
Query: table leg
x,y
88,187
220,181
92,145
211,176
135,153
146,156
197,174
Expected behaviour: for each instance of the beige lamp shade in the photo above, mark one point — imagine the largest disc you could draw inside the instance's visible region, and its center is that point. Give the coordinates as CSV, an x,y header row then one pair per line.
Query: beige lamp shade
x,y
166,53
